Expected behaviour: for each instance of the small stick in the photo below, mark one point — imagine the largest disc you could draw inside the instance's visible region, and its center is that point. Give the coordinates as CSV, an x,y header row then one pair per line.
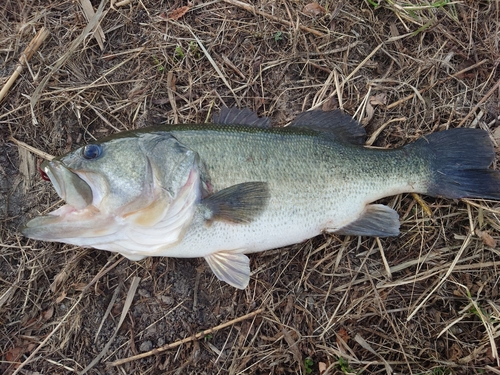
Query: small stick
x,y
384,259
422,204
232,66
121,3
483,99
82,294
32,149
33,46
185,340
171,98
380,129
254,10
406,98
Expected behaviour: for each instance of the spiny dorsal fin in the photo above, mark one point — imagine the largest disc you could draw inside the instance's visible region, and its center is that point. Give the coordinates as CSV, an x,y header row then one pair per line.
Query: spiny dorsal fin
x,y
236,116
239,203
335,123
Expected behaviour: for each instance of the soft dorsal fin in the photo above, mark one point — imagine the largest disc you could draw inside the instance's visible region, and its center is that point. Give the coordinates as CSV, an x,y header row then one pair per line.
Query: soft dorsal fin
x,y
335,123
236,116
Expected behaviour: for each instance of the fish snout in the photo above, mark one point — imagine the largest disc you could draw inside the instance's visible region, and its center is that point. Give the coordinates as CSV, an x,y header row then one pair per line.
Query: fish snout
x,y
68,185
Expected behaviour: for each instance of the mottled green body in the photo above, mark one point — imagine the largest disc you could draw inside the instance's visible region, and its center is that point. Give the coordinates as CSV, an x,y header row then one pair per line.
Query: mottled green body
x,y
316,184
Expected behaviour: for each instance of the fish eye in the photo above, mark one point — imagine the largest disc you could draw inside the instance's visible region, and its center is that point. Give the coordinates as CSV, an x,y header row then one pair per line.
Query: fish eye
x,y
92,151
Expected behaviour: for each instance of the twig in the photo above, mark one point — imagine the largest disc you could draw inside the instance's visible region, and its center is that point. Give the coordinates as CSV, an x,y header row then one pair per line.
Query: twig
x,y
254,10
451,268
377,132
185,340
384,259
406,98
232,66
171,98
214,64
422,204
128,302
69,51
483,99
31,149
89,13
120,3
35,43
65,317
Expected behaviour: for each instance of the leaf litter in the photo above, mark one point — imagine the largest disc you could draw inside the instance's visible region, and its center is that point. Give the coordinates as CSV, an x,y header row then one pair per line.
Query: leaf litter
x,y
330,305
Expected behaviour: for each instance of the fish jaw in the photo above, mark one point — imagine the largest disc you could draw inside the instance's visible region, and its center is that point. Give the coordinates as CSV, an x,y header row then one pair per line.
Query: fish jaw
x,y
68,223
78,218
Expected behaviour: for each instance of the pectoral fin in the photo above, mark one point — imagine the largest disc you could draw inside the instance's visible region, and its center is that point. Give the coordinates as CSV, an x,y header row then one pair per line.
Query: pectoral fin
x,y
231,267
239,203
377,220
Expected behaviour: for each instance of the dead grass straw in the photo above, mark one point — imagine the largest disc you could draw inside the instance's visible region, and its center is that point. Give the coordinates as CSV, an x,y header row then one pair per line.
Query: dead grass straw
x,y
187,339
33,46
426,301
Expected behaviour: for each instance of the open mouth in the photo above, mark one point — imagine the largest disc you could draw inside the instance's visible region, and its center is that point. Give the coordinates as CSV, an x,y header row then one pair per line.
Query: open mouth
x,y
74,219
68,185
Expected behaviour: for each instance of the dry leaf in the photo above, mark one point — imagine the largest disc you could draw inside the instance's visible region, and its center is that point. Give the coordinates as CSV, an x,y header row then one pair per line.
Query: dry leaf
x,y
289,305
330,104
489,354
370,111
455,352
61,297
79,286
292,343
58,280
178,13
313,10
486,238
379,99
47,314
13,354
344,335
321,367
88,10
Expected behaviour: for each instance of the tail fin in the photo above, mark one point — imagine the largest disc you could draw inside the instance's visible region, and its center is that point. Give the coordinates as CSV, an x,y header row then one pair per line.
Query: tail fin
x,y
460,159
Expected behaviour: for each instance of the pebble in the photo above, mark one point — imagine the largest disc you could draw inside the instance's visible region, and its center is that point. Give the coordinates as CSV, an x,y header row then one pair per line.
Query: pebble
x,y
146,346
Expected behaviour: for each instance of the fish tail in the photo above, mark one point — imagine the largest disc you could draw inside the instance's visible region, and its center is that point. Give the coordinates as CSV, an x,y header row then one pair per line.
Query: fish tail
x,y
460,160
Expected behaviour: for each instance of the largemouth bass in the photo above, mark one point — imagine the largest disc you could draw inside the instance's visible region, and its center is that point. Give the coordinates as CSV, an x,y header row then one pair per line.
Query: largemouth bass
x,y
239,186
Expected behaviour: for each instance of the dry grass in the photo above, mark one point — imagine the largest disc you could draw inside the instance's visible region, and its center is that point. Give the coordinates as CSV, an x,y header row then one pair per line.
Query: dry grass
x,y
425,302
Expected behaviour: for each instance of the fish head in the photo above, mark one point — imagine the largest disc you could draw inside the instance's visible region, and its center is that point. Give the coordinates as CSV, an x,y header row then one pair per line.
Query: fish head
x,y
115,185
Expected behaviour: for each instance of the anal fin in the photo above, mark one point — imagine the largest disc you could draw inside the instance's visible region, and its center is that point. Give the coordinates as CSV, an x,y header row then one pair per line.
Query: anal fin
x,y
377,220
231,267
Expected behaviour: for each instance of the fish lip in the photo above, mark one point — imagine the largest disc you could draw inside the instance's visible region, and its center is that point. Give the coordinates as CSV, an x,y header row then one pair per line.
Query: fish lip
x,y
48,167
78,196
70,187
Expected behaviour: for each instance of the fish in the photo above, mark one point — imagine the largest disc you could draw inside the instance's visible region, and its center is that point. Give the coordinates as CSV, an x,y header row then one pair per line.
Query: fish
x,y
238,185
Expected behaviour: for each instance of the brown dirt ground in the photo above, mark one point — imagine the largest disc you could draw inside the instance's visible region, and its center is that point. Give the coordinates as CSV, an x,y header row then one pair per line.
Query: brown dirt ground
x,y
426,302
